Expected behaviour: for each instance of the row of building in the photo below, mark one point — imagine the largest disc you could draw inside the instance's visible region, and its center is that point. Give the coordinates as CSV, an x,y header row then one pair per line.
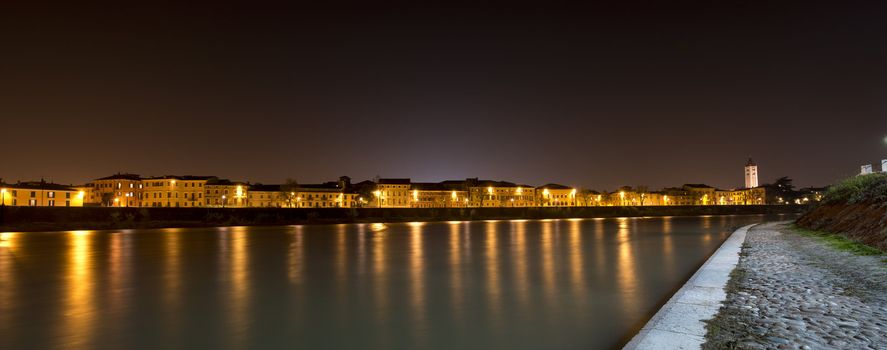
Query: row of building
x,y
130,190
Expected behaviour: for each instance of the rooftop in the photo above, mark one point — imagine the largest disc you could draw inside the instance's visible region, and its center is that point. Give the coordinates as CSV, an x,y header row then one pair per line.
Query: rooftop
x,y
120,176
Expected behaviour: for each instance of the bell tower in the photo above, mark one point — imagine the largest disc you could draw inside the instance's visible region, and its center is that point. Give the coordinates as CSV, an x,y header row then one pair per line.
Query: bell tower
x,y
751,174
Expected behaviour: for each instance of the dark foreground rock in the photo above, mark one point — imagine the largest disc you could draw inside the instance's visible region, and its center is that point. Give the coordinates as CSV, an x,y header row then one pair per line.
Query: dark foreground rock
x,y
794,292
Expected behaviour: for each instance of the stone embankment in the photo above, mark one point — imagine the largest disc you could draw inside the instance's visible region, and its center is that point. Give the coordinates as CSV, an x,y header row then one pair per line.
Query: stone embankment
x,y
791,291
93,218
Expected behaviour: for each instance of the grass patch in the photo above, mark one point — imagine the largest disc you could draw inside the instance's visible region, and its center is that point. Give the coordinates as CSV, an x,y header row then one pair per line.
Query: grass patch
x,y
839,242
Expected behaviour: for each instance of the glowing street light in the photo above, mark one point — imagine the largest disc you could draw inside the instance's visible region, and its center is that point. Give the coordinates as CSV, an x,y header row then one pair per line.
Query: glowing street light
x,y
2,197
378,195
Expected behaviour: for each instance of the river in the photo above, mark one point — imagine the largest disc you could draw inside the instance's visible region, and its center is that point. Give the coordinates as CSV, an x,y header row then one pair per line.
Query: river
x,y
518,284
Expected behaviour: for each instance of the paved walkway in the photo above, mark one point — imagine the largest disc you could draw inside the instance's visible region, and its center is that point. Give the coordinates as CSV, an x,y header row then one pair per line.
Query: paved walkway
x,y
679,323
793,292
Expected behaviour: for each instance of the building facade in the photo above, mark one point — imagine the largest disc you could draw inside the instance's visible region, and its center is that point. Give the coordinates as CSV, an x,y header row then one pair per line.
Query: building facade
x,y
174,191
438,195
392,193
119,190
488,193
554,195
222,193
40,194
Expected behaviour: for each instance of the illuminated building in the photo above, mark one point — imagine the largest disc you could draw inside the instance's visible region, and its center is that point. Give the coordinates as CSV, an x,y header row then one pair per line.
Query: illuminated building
x,y
488,193
437,195
265,196
325,195
554,195
392,193
174,191
226,194
40,194
119,190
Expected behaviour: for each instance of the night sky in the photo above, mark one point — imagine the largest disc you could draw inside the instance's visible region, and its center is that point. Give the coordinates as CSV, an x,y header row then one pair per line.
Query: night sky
x,y
597,96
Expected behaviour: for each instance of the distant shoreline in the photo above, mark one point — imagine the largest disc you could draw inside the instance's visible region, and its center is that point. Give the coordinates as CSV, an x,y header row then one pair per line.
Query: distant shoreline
x,y
97,218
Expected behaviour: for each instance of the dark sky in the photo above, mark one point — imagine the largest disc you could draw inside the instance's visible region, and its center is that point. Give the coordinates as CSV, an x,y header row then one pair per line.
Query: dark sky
x,y
596,96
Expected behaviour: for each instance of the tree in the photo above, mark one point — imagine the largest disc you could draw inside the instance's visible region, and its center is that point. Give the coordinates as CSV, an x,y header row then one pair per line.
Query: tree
x,y
290,188
107,199
783,189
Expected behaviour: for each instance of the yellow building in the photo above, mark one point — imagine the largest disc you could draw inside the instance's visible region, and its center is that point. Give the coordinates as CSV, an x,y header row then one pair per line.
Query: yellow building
x,y
554,195
266,196
319,198
745,196
226,194
174,191
392,193
486,193
40,194
328,195
437,195
119,190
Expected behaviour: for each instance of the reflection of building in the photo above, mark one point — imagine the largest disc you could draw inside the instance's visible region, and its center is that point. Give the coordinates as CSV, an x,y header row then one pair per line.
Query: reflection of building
x,y
174,191
554,195
119,190
751,174
40,194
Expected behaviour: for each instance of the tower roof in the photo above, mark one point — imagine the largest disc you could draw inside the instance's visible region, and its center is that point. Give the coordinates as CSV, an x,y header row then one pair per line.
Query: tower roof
x,y
750,162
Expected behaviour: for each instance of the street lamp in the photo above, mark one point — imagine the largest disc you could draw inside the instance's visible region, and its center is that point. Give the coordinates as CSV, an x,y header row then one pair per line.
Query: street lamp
x,y
2,197
378,195
224,197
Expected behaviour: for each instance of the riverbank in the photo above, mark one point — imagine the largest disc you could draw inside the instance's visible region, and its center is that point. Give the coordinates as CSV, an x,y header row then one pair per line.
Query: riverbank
x,y
795,290
678,324
64,218
855,208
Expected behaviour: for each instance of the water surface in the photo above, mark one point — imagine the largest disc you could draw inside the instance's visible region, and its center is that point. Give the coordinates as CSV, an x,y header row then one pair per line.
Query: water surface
x,y
549,284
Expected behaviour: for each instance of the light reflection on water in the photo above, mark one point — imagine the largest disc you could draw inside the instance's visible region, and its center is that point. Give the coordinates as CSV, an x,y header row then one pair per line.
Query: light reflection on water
x,y
489,284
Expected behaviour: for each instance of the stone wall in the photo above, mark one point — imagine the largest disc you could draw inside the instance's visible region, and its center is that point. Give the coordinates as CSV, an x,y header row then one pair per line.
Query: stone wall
x,y
61,218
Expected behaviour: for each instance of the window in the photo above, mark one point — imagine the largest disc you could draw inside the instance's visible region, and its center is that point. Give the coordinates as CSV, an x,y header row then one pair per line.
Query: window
x,y
32,202
33,194
51,195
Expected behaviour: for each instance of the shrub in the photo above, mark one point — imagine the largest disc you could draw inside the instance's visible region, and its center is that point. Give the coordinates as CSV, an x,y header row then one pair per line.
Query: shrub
x,y
858,189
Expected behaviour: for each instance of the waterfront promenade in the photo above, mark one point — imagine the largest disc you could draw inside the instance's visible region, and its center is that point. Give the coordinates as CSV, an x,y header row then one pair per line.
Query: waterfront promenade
x,y
792,291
